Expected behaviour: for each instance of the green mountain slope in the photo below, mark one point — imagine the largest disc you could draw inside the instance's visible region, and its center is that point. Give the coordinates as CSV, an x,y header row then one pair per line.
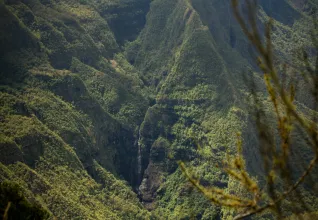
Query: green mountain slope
x,y
100,99
192,56
67,119
196,99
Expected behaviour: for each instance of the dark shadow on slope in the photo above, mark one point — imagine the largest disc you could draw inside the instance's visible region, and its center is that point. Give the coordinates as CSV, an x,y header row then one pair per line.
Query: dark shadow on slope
x,y
126,19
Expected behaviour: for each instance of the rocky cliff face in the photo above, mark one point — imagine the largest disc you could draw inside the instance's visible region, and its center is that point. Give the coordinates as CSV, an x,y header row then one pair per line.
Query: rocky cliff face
x,y
90,122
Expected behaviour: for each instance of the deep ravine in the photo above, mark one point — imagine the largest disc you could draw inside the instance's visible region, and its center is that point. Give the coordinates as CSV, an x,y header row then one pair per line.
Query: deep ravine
x,y
100,99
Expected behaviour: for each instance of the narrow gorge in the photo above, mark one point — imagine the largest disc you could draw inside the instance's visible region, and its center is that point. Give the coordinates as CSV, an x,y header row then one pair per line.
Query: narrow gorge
x,y
100,100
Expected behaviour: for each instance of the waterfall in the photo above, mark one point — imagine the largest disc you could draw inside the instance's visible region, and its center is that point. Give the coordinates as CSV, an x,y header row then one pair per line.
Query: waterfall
x,y
139,157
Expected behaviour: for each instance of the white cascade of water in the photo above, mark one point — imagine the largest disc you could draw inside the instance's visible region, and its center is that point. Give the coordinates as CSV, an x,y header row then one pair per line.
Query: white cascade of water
x,y
139,156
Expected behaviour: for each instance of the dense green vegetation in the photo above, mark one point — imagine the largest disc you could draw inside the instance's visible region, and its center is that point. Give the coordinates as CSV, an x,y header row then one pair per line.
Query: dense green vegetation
x,y
100,99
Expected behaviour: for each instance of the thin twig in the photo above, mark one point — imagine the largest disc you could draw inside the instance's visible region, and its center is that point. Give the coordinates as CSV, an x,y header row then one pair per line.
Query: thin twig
x,y
6,212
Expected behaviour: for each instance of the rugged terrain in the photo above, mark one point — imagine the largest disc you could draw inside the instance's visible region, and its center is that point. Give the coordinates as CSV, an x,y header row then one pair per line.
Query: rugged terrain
x,y
101,98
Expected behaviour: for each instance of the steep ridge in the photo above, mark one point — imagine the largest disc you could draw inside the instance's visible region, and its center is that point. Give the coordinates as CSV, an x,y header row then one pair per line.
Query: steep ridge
x,y
196,99
192,57
69,108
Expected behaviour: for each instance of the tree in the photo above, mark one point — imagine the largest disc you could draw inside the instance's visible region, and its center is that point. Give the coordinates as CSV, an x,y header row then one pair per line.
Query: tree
x,y
276,150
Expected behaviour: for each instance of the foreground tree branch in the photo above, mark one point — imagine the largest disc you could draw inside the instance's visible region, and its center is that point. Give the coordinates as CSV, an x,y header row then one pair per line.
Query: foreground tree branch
x,y
276,156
